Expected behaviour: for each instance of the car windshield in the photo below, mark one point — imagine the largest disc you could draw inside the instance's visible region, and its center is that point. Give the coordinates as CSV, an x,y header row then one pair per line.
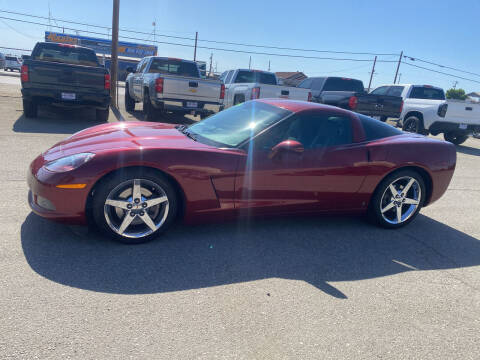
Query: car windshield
x,y
427,93
174,67
65,54
252,76
343,84
231,127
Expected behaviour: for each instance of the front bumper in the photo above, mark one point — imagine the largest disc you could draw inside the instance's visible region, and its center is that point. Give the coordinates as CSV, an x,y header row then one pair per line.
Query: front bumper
x,y
203,107
443,127
48,201
54,97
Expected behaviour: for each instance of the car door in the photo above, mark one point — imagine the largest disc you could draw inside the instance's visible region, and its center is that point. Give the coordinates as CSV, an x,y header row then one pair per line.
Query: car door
x,y
326,175
138,79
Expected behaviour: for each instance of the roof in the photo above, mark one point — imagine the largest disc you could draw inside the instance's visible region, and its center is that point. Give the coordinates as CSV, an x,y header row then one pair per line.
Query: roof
x,y
474,94
290,74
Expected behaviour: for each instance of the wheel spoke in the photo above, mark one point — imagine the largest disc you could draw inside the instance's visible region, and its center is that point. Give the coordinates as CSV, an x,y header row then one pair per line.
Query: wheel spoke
x,y
156,201
411,201
137,190
117,203
408,186
388,207
399,214
393,190
148,220
127,220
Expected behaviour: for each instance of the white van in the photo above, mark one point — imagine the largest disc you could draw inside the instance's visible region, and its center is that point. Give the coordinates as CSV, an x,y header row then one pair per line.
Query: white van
x,y
12,63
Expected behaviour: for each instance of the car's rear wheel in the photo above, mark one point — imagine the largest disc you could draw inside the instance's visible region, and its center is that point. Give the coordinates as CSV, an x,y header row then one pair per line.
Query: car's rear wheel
x,y
148,109
455,138
134,207
397,199
129,102
101,115
412,124
30,108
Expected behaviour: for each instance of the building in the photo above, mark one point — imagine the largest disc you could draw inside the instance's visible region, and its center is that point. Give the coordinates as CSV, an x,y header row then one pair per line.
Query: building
x,y
474,96
291,78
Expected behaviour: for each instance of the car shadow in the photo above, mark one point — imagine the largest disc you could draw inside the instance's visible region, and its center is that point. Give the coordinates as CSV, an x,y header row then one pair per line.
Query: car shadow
x,y
468,150
315,249
54,120
169,118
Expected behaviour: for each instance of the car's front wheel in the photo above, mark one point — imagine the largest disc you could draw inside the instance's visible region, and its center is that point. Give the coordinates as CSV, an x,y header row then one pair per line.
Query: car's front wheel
x,y
134,206
129,102
397,199
455,138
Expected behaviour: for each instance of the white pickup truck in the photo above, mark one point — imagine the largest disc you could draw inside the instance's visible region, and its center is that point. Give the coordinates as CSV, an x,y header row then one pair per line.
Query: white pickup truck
x,y
243,84
168,84
426,111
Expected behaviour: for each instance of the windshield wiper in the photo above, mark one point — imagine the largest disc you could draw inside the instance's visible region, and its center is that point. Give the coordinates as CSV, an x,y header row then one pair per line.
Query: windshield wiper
x,y
190,135
181,128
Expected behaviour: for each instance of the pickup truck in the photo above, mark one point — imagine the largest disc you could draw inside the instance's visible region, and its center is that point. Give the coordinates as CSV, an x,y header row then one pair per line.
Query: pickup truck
x,y
64,75
167,84
243,84
426,111
350,94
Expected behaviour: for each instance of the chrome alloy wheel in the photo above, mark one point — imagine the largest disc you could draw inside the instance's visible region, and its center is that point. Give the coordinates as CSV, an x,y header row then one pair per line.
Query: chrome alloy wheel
x,y
400,200
136,208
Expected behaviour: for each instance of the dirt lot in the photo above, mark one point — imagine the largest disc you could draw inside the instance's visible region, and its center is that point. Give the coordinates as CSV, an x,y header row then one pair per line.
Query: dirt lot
x,y
296,288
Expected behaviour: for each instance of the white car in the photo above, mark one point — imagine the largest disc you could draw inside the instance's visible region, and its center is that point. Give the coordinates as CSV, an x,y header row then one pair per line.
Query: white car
x,y
426,111
243,84
12,63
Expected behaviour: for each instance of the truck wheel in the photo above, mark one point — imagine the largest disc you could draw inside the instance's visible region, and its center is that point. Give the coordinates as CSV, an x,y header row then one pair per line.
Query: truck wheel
x,y
148,109
455,138
414,125
101,115
129,102
30,108
383,118
238,99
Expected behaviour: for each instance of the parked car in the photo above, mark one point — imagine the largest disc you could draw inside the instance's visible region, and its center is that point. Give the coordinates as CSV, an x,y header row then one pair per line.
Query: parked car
x,y
426,111
262,157
243,84
12,63
2,61
64,75
351,95
167,84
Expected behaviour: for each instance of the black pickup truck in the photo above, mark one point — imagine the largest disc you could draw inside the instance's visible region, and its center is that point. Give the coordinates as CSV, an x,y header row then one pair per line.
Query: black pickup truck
x,y
64,75
350,94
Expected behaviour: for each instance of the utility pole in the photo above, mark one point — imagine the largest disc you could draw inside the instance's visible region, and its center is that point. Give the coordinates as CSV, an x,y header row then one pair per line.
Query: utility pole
x,y
154,26
268,65
399,76
114,58
398,67
250,63
195,50
455,84
210,71
371,74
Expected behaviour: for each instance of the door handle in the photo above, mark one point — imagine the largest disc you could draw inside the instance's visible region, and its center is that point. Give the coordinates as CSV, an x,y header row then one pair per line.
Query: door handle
x,y
285,92
468,108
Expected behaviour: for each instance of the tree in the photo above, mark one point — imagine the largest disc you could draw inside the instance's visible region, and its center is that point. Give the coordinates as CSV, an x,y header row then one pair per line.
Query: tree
x,y
458,94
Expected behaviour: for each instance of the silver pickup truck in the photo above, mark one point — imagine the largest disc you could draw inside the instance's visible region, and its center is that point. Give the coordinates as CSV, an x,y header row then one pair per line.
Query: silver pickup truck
x,y
167,84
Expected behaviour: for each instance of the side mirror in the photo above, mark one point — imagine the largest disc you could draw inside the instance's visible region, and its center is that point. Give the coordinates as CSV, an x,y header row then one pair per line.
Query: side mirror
x,y
286,146
130,69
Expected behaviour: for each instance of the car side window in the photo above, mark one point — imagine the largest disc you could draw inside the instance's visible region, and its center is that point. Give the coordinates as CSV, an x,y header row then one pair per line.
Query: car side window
x,y
223,76
382,90
141,66
395,90
306,84
229,77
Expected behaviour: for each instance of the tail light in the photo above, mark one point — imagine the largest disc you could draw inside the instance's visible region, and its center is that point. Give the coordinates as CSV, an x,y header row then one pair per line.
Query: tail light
x,y
352,102
24,73
159,85
107,82
442,110
255,93
222,91
401,107
309,96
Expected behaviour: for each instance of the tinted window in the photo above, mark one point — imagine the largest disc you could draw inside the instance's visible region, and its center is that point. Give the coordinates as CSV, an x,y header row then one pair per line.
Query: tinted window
x,y
229,77
306,84
267,78
174,67
420,92
11,58
141,65
395,90
382,90
223,76
65,54
375,129
318,83
247,76
343,84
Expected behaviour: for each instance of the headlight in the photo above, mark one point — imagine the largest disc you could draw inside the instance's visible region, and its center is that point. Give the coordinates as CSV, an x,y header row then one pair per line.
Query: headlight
x,y
68,163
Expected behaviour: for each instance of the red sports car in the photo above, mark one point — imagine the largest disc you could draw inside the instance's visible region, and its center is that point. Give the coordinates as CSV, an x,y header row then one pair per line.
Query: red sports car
x,y
262,157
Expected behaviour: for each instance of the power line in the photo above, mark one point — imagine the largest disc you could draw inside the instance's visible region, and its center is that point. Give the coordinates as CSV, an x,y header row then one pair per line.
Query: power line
x,y
202,40
442,66
205,47
440,72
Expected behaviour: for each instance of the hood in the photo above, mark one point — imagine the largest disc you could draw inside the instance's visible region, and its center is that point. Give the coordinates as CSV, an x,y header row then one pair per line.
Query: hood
x,y
122,135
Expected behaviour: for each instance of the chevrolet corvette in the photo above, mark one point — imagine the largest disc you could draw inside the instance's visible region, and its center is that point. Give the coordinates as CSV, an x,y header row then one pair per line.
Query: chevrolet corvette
x,y
259,158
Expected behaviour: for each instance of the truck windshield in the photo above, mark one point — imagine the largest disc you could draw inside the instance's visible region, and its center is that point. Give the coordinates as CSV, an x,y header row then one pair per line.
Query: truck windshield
x,y
231,127
427,93
174,67
250,76
65,54
343,84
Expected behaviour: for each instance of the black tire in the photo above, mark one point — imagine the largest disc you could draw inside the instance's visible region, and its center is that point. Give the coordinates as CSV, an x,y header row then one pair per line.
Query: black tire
x,y
377,202
149,112
383,118
30,108
238,99
129,102
101,115
113,181
412,124
455,138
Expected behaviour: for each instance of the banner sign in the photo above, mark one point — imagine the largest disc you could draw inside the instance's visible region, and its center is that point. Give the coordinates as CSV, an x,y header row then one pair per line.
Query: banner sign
x,y
103,46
